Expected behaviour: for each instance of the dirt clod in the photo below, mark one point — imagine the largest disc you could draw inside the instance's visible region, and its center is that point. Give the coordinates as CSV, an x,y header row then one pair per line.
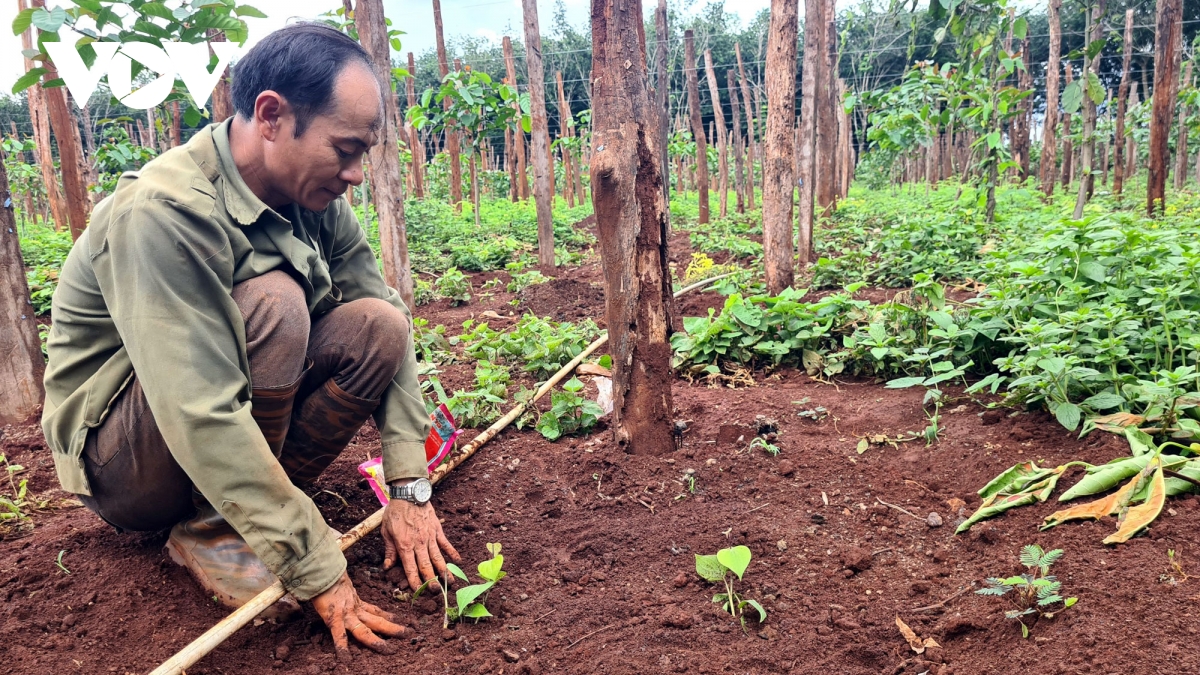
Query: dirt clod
x,y
933,519
857,560
510,655
680,581
786,468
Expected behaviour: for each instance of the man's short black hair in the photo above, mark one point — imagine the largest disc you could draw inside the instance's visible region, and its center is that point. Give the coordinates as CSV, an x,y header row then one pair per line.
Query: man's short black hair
x,y
300,62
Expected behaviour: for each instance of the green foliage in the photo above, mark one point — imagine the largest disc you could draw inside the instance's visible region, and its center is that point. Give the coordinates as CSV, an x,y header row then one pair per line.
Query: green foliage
x,y
14,514
1035,593
454,286
722,568
542,347
115,155
423,292
522,279
569,412
42,282
480,406
470,602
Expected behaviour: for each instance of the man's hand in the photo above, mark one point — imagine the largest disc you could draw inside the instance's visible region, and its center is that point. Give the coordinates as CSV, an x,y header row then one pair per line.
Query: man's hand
x,y
343,611
413,534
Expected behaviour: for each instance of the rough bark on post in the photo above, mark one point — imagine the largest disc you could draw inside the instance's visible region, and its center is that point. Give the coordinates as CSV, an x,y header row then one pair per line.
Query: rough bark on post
x,y
176,125
751,125
806,158
1181,143
1068,152
722,135
387,188
543,171
565,128
21,360
1049,164
1131,149
693,90
41,139
1021,123
415,146
222,96
778,162
1122,98
1088,151
736,142
662,97
453,150
1169,13
518,133
826,149
631,219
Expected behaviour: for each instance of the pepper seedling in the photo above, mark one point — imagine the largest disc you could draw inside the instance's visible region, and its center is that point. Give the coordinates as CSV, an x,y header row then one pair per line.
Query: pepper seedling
x,y
721,568
467,600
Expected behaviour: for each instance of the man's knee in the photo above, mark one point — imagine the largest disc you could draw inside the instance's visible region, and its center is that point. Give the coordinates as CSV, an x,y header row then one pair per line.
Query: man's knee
x,y
275,312
386,331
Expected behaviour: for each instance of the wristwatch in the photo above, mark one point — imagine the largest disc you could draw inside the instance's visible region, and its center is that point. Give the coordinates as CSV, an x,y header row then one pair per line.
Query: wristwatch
x,y
418,492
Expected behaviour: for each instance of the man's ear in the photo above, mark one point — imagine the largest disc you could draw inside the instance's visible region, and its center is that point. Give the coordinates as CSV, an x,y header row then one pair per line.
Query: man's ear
x,y
271,111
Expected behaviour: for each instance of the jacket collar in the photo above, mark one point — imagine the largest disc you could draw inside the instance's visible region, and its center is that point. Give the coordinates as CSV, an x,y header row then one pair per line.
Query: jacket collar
x,y
242,204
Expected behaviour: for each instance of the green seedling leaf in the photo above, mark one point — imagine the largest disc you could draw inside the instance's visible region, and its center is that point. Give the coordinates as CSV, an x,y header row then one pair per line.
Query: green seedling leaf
x,y
490,569
762,613
456,571
467,594
709,568
1068,415
737,559
421,589
476,611
1070,601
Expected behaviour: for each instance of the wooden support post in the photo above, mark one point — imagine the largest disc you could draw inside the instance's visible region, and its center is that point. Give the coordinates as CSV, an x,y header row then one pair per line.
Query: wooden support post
x,y
814,10
453,149
693,89
1088,151
518,134
632,224
1049,163
826,176
751,126
1181,144
736,142
222,96
845,167
1122,98
415,146
1170,12
565,126
40,120
779,140
662,97
21,362
176,125
721,135
543,173
387,188
1068,152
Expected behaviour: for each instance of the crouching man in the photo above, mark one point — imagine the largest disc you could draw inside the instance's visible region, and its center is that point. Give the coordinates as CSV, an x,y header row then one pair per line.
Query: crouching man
x,y
221,332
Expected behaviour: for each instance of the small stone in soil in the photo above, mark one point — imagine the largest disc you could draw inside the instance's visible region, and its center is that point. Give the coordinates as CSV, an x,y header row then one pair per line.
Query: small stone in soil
x,y
282,652
933,519
786,468
681,580
448,634
510,655
781,544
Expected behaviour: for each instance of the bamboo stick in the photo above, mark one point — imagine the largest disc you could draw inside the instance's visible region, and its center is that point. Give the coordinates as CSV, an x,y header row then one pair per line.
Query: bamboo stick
x,y
213,637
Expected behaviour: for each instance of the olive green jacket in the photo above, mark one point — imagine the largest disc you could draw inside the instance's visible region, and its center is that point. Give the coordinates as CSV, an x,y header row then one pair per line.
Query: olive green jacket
x,y
147,289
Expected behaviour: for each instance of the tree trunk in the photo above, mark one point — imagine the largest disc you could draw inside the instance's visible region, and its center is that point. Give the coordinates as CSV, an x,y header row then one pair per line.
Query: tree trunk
x,y
631,218
1131,150
693,89
751,125
1094,26
474,187
522,182
844,168
387,188
222,97
1068,172
1169,13
543,173
1181,144
415,146
453,149
1021,142
565,128
778,180
826,113
22,364
721,135
739,182
176,125
1049,174
814,12
1122,98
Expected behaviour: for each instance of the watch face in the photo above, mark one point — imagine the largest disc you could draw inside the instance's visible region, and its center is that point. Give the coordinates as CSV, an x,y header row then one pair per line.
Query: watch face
x,y
422,490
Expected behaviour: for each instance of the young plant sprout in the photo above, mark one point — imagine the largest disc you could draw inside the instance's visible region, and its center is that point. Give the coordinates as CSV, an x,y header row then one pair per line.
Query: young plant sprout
x,y
469,601
721,568
1035,593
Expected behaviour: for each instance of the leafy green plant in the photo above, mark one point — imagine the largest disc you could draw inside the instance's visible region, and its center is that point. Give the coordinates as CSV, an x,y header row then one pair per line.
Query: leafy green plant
x,y
13,515
522,280
423,292
541,346
767,446
721,568
454,286
59,562
469,601
1035,593
569,412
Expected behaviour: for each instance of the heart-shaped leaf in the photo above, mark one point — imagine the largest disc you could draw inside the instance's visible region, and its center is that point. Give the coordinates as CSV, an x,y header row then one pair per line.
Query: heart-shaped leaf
x,y
736,559
708,567
467,594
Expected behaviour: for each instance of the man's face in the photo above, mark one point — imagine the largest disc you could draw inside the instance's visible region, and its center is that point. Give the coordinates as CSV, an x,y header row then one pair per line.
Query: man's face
x,y
317,167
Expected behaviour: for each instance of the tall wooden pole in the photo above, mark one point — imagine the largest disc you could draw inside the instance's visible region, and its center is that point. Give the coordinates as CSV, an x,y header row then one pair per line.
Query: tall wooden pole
x,y
1170,12
62,122
222,96
814,10
1122,98
1131,149
778,163
693,89
1049,163
827,114
751,126
632,223
21,361
543,174
1181,143
415,145
453,149
564,131
736,143
1094,26
721,135
518,133
1068,171
41,139
387,188
662,96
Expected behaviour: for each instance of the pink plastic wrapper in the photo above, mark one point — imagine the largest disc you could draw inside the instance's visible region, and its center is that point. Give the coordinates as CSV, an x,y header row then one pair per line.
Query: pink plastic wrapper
x,y
437,445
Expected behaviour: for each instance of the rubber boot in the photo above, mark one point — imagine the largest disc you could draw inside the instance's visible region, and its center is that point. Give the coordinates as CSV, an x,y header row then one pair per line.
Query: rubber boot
x,y
271,408
322,426
223,564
